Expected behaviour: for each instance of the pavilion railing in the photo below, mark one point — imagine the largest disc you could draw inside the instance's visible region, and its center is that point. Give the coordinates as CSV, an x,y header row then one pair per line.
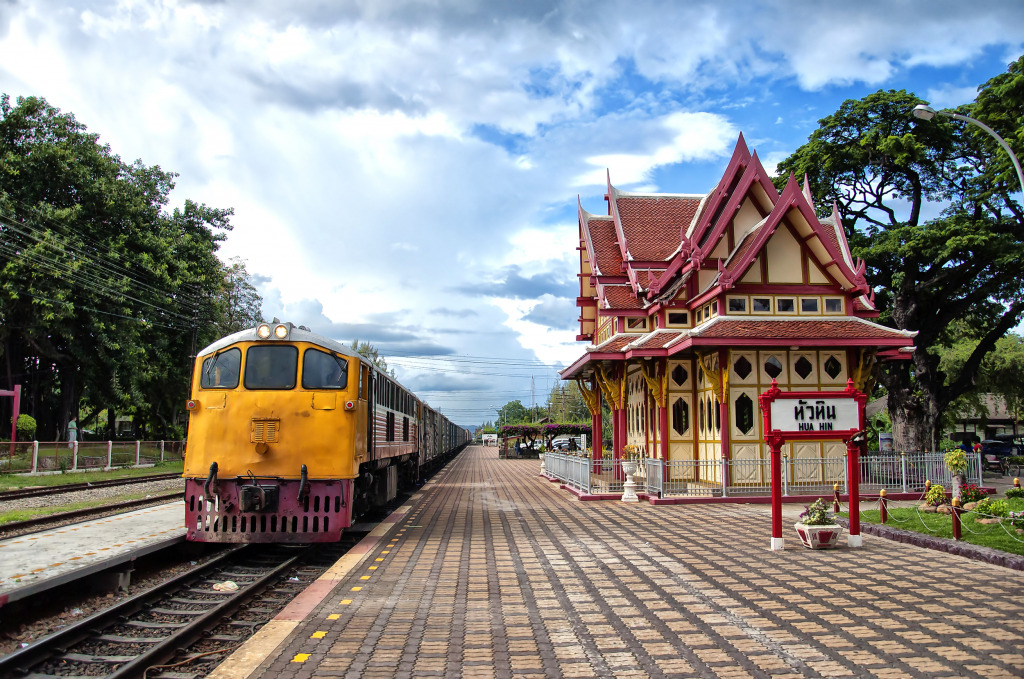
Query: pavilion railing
x,y
901,472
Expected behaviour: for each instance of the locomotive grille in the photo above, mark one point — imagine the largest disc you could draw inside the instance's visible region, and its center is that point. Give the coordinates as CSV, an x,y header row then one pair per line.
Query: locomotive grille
x,y
265,431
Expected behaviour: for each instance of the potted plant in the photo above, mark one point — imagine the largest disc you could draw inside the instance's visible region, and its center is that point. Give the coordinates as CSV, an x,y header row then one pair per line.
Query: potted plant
x,y
630,458
956,461
817,527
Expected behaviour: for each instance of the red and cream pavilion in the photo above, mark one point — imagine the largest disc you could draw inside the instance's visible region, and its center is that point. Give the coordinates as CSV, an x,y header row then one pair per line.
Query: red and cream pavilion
x,y
693,303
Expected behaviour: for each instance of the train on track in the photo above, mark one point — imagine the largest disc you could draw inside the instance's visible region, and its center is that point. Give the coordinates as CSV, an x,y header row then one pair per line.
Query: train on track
x,y
293,435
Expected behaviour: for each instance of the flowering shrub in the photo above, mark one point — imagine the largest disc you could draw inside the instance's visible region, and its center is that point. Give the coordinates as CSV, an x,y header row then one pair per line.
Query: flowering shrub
x,y
1014,492
971,493
819,513
956,460
993,507
1016,519
936,495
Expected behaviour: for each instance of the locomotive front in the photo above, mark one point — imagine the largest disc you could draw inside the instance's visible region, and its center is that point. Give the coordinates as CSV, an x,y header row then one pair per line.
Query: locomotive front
x,y
276,416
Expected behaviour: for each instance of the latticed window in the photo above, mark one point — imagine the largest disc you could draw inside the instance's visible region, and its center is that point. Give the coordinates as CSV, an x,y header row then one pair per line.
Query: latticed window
x,y
744,413
680,416
803,367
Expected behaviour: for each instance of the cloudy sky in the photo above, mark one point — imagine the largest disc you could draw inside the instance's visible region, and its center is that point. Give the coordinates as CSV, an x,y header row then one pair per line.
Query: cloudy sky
x,y
405,172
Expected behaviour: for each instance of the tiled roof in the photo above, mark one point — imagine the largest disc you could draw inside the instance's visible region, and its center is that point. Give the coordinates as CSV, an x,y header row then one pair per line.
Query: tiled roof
x,y
616,343
659,339
784,329
607,253
621,297
653,225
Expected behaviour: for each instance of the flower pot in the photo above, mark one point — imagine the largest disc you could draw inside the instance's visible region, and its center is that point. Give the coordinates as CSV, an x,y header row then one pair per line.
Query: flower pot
x,y
629,467
818,537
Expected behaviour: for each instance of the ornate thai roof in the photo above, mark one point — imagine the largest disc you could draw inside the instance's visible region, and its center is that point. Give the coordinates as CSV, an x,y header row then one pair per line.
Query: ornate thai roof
x,y
659,252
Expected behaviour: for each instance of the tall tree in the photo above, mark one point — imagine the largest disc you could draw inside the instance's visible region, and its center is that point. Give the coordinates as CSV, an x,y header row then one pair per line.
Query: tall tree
x,y
368,351
886,171
97,282
241,304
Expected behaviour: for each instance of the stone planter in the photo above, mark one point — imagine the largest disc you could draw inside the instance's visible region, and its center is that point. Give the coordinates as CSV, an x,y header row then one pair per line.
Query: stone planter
x,y
818,537
629,487
542,469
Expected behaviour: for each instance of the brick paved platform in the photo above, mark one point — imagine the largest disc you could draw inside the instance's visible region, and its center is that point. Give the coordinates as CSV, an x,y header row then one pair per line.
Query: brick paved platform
x,y
494,572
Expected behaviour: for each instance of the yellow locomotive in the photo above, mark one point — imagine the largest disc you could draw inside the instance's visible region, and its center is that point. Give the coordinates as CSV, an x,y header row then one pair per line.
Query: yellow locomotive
x,y
292,435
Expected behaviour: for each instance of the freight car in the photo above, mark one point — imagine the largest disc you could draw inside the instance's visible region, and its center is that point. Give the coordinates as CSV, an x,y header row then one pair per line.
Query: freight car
x,y
293,435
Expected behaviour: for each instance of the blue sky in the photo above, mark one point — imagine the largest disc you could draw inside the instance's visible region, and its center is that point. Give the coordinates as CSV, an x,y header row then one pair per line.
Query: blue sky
x,y
405,172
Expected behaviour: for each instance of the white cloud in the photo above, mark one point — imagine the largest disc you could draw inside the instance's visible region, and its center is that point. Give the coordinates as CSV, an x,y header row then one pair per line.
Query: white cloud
x,y
380,155
674,138
951,96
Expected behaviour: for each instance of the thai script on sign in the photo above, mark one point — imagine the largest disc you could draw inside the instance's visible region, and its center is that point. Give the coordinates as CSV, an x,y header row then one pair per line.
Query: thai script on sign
x,y
823,413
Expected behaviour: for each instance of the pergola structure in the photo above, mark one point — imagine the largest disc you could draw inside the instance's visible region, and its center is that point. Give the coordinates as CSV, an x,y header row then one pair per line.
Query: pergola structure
x,y
692,304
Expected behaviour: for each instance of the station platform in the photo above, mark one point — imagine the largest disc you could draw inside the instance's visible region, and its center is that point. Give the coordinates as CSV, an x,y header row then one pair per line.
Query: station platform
x,y
40,561
491,571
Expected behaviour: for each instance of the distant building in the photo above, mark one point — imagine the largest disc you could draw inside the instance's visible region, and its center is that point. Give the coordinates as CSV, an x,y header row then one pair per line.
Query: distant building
x,y
691,304
991,421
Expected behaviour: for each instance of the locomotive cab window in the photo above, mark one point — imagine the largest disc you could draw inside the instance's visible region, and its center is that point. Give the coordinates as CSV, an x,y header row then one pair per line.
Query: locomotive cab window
x,y
220,371
321,370
271,367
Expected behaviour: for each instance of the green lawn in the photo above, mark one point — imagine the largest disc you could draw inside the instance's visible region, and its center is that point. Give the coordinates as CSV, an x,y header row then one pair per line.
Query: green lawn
x,y
9,481
1003,537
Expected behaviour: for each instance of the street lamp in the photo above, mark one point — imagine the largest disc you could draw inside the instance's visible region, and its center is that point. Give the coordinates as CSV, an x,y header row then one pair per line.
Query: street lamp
x,y
927,113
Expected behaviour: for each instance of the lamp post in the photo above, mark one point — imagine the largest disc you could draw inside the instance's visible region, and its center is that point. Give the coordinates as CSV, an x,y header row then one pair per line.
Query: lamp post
x,y
497,423
927,113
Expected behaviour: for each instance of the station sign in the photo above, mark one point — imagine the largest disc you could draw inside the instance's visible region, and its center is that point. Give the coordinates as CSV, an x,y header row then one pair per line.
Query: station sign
x,y
813,414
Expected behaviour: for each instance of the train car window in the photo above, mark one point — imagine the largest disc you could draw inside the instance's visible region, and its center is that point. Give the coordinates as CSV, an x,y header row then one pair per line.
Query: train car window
x,y
362,381
271,367
321,370
220,371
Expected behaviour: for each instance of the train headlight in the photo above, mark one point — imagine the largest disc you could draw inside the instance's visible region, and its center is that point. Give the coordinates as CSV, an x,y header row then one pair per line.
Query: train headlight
x,y
281,331
263,331
191,404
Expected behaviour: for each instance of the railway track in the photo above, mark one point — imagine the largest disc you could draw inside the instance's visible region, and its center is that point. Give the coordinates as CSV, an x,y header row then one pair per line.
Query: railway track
x,y
184,627
20,493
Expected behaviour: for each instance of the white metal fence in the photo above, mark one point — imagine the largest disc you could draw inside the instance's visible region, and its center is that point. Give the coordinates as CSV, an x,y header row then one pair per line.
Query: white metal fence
x,y
31,457
901,472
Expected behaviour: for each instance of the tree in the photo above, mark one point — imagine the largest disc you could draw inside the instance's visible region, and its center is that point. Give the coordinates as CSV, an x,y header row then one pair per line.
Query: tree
x,y
1001,372
883,170
368,351
100,288
241,305
565,403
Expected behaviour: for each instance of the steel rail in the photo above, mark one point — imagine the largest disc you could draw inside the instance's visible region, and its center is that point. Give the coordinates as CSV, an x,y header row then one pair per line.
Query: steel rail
x,y
166,650
85,513
20,493
21,662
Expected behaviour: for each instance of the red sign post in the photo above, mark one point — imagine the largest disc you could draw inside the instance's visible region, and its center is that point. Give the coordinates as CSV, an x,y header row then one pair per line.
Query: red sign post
x,y
16,393
814,415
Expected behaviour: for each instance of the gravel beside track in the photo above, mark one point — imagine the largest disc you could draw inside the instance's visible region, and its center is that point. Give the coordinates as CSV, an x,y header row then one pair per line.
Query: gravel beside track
x,y
110,492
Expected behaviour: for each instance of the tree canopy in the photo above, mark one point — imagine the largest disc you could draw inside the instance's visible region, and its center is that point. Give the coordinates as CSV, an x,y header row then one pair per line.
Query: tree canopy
x,y
104,293
933,208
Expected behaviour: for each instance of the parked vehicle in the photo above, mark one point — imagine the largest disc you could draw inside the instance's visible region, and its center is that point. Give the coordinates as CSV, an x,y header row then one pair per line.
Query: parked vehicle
x,y
994,453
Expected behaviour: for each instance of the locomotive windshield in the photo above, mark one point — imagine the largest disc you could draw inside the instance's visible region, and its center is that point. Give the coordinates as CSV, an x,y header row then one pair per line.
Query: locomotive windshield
x,y
220,371
321,370
271,367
